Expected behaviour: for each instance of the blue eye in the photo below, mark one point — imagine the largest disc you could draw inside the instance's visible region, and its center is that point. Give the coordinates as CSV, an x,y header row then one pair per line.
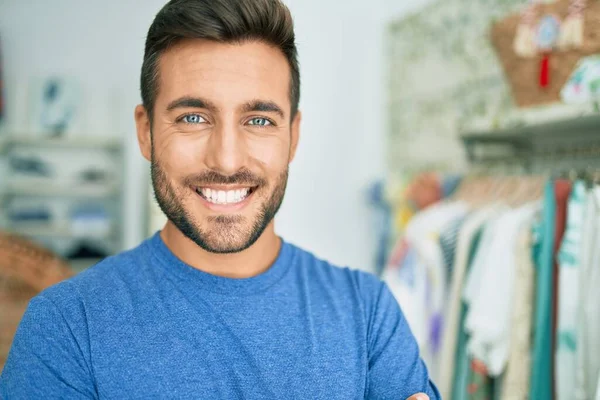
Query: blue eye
x,y
193,119
260,122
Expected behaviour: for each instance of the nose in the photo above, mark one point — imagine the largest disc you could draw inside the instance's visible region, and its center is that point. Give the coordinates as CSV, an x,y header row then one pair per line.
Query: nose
x,y
226,152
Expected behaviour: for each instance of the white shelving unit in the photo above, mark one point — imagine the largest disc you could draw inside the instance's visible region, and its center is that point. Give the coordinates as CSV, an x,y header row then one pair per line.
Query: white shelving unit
x,y
44,189
108,191
72,142
61,229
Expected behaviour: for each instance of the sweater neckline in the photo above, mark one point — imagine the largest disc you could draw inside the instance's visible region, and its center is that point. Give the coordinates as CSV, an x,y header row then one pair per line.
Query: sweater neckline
x,y
214,283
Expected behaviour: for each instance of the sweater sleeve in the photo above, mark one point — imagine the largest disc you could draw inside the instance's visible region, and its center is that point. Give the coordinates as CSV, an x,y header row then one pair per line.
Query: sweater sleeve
x,y
48,355
395,368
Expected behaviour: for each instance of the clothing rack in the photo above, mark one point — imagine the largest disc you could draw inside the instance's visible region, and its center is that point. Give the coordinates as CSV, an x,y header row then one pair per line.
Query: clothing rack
x,y
530,236
575,141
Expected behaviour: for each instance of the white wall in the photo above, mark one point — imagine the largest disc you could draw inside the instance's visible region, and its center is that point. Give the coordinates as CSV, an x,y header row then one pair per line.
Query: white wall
x,y
399,8
342,148
341,144
343,102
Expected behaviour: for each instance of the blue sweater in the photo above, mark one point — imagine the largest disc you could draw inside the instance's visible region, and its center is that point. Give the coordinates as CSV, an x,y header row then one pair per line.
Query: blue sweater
x,y
144,325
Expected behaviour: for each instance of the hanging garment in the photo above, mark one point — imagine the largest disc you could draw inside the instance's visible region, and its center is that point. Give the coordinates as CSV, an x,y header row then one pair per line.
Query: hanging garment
x,y
569,257
490,291
541,373
448,240
381,221
480,385
477,267
562,191
407,282
515,385
591,309
461,364
423,300
497,383
474,382
453,322
588,242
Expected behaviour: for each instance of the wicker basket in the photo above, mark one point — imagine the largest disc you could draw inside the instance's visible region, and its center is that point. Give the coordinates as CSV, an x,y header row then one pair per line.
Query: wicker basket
x,y
25,270
523,73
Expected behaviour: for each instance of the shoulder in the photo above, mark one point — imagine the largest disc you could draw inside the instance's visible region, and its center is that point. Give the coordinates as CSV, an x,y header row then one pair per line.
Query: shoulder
x,y
109,278
337,278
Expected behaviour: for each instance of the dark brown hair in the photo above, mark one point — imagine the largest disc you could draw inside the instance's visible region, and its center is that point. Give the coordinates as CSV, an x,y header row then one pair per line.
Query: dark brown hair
x,y
226,21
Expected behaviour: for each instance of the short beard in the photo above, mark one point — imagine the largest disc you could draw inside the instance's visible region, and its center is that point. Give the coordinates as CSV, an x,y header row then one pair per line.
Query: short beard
x,y
226,236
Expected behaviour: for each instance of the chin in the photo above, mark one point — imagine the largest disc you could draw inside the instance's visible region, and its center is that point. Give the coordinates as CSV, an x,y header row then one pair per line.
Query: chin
x,y
224,245
223,234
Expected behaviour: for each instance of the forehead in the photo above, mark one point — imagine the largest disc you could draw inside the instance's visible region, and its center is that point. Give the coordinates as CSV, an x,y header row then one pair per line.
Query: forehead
x,y
227,74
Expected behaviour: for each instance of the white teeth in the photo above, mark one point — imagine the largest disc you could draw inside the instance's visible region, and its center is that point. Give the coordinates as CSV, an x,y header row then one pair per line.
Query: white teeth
x,y
224,197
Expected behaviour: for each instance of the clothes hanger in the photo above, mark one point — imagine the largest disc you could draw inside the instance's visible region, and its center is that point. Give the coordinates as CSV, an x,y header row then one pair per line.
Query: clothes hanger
x,y
498,190
514,197
515,190
535,189
539,193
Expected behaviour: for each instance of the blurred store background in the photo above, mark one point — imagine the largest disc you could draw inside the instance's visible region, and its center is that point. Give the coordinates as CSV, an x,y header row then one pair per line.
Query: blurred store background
x,y
450,146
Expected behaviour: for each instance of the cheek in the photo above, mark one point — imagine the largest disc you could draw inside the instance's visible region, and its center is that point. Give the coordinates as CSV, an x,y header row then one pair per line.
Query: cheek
x,y
272,153
178,157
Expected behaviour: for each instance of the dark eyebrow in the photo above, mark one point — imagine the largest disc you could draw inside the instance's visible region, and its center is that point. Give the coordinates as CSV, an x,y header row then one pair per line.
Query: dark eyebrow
x,y
265,106
191,102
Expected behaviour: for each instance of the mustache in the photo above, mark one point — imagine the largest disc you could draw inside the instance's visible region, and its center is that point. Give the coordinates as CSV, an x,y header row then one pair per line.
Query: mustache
x,y
242,177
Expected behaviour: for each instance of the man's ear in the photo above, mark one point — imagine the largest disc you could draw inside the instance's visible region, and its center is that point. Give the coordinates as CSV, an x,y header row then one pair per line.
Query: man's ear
x,y
295,134
142,124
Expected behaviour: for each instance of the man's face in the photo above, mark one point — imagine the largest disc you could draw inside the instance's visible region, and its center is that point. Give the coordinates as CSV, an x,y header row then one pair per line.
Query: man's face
x,y
222,140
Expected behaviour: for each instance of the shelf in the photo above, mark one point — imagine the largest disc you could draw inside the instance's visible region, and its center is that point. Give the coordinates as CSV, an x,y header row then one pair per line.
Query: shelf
x,y
72,142
578,125
560,137
56,230
46,190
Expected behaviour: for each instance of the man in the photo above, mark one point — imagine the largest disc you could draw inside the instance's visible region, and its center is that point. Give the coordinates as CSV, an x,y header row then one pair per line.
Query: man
x,y
216,305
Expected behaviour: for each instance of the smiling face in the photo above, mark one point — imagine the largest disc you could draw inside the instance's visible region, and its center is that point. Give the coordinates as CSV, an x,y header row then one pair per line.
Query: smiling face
x,y
222,138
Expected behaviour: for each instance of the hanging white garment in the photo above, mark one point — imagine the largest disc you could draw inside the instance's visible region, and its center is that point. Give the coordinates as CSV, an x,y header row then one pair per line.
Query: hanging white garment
x,y
478,264
590,231
570,263
591,309
490,291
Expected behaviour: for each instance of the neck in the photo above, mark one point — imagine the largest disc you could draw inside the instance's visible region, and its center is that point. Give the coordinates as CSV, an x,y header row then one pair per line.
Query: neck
x,y
248,263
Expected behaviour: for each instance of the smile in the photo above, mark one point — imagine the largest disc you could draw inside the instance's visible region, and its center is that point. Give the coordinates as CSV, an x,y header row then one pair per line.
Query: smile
x,y
224,197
